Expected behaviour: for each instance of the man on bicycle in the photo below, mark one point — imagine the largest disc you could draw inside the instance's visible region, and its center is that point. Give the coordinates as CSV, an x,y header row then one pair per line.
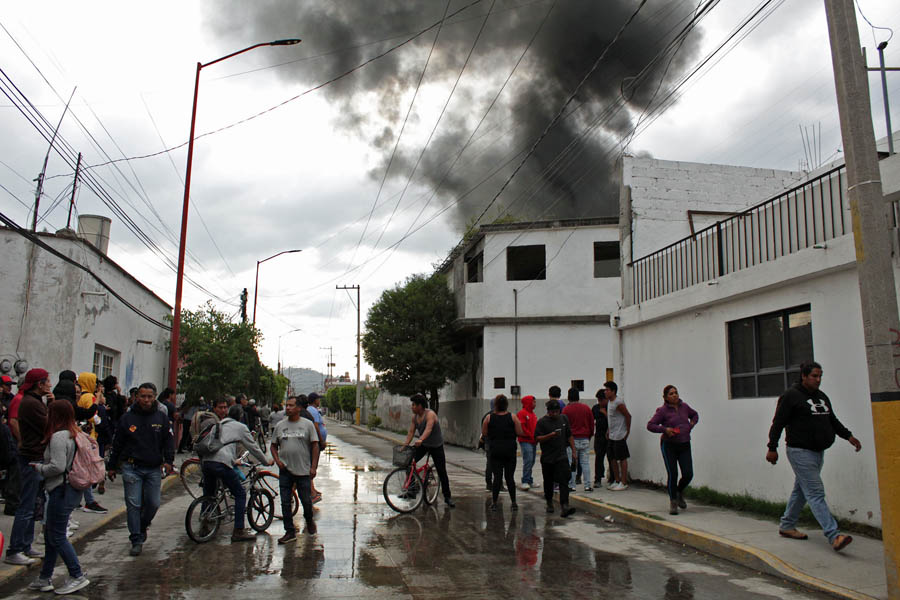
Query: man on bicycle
x,y
220,466
426,426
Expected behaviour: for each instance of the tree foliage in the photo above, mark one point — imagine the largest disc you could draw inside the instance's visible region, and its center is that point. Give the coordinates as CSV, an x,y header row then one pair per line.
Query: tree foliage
x,y
410,340
219,357
341,398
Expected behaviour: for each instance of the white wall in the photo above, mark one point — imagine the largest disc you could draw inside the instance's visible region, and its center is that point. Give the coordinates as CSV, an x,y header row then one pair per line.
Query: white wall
x,y
548,355
69,312
569,288
687,347
662,191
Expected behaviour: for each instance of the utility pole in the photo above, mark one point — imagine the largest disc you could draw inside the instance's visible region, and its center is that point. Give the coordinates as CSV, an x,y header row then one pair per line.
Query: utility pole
x,y
358,357
74,187
330,362
878,295
244,306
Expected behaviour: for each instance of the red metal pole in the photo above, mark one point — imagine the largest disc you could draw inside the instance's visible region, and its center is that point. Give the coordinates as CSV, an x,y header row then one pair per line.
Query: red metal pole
x,y
176,321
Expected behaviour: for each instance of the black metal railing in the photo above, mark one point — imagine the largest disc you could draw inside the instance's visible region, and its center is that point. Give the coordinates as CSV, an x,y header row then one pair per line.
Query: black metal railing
x,y
809,214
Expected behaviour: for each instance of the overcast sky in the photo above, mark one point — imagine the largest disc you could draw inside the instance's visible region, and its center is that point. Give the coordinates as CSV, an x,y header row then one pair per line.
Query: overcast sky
x,y
307,174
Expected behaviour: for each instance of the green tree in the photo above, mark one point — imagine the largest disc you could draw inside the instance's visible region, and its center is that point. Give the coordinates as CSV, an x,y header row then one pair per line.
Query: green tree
x,y
410,339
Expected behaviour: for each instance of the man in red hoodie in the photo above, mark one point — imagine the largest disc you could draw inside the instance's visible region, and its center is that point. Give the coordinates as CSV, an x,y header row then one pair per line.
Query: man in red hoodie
x,y
581,420
528,420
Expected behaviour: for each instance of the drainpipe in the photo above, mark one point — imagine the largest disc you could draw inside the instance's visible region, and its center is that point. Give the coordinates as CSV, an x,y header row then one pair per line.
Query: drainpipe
x,y
515,336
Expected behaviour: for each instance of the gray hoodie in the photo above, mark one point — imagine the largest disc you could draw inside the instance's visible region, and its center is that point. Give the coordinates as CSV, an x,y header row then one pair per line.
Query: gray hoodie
x,y
235,431
58,457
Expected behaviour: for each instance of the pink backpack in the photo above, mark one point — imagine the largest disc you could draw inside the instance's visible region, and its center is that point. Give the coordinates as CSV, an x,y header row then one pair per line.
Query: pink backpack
x,y
87,467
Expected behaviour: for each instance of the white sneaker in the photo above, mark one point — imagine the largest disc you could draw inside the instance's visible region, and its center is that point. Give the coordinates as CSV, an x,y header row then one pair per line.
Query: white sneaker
x,y
612,486
621,486
72,585
616,487
69,532
526,486
41,585
18,558
73,525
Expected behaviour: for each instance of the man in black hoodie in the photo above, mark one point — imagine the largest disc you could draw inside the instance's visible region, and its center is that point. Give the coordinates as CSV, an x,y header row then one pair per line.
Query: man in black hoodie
x,y
143,443
806,413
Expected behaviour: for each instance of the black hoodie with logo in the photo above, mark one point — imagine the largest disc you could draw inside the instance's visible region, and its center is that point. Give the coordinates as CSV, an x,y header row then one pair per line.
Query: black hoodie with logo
x,y
143,438
808,418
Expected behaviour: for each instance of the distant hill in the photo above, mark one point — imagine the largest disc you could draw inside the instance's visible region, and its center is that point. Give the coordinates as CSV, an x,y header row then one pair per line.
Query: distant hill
x,y
304,380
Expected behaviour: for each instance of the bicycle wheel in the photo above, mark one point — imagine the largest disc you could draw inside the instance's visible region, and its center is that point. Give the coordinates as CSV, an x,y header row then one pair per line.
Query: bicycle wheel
x,y
402,497
203,518
260,510
269,481
432,486
191,475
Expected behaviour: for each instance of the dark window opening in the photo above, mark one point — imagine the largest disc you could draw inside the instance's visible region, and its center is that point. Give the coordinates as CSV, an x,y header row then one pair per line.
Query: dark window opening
x,y
525,263
474,268
578,384
606,259
765,352
499,383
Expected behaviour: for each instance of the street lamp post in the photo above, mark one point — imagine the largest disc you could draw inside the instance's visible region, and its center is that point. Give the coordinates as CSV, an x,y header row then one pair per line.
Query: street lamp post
x,y
256,283
279,346
176,320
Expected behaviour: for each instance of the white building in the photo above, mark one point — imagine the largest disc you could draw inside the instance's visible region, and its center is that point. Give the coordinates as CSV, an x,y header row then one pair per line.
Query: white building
x,y
534,302
59,317
726,308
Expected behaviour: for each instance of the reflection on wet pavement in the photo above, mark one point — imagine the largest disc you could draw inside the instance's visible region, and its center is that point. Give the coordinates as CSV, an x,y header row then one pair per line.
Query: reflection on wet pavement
x,y
363,548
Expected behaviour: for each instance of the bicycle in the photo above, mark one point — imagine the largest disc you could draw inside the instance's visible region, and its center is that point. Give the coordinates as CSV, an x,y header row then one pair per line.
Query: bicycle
x,y
207,513
409,485
191,474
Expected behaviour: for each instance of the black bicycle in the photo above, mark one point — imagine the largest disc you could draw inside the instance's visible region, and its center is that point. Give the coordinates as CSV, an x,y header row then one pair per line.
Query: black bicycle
x,y
207,513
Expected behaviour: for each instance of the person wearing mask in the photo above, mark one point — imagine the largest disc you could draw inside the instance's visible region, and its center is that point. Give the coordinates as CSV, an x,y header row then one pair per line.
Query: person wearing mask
x,y
143,443
675,420
581,420
220,466
30,418
501,428
528,419
61,499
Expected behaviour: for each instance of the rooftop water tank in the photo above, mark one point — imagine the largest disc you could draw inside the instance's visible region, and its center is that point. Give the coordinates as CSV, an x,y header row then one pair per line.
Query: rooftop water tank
x,y
95,229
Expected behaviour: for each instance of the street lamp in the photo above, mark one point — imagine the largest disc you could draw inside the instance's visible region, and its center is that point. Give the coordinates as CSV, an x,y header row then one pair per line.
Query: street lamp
x,y
176,321
256,283
279,346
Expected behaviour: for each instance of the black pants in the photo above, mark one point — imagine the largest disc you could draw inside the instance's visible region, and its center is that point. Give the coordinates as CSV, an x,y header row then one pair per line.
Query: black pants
x,y
600,445
557,472
677,454
11,488
503,467
186,442
440,465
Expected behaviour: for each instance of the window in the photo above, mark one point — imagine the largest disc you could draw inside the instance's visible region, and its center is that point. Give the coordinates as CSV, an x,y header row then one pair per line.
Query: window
x,y
606,259
578,384
765,352
104,362
474,267
525,263
499,383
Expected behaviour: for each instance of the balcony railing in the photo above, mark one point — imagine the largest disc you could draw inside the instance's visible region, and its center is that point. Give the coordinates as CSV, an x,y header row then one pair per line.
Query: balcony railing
x,y
809,214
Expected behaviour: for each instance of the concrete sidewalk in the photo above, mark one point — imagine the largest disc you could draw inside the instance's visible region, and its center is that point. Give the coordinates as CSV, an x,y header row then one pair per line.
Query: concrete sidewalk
x,y
856,572
113,500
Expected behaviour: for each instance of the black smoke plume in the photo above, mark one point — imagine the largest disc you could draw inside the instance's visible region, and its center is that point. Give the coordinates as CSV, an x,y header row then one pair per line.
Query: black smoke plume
x,y
568,175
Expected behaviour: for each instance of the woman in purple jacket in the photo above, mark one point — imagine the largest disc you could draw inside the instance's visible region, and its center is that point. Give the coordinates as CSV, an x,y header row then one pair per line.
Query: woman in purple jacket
x,y
675,420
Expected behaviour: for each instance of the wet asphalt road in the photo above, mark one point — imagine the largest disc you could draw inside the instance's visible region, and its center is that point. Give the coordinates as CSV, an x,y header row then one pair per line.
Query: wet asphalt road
x,y
364,549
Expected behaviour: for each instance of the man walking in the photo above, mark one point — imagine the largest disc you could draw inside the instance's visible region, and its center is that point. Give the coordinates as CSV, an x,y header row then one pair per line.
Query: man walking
x,y
295,449
143,443
555,436
805,412
528,420
619,427
581,420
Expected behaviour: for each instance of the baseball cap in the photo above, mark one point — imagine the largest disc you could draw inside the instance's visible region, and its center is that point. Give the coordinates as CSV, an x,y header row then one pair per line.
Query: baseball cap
x,y
6,379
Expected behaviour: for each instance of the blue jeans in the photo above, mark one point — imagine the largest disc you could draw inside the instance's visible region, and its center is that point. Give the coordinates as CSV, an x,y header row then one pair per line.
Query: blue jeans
x,y
528,454
808,488
286,481
675,455
142,498
22,535
62,499
582,452
212,473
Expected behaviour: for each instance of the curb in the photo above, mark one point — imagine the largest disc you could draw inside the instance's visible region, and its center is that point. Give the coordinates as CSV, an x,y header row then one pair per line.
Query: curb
x,y
16,570
741,554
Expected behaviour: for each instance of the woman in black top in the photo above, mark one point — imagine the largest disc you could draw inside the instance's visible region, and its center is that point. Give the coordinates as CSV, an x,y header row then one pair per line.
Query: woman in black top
x,y
500,429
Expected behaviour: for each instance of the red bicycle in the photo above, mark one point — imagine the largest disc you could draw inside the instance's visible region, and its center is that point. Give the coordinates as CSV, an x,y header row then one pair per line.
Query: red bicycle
x,y
407,486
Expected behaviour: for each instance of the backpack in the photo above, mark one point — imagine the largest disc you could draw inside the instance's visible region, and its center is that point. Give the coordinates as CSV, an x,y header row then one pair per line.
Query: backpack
x,y
87,466
209,441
